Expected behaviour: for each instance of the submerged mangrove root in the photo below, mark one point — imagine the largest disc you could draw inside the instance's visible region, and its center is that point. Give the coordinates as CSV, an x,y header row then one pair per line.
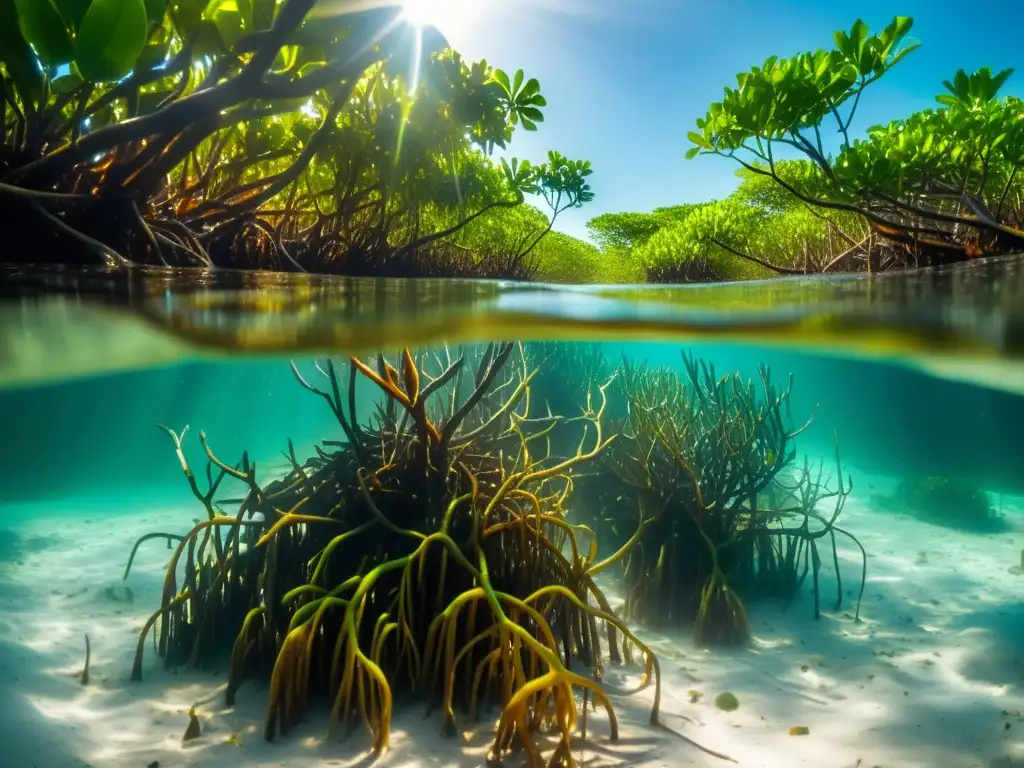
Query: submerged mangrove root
x,y
142,540
706,465
721,618
428,552
88,656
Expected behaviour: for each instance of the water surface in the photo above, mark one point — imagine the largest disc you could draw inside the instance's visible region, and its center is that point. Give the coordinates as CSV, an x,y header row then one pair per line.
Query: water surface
x,y
965,321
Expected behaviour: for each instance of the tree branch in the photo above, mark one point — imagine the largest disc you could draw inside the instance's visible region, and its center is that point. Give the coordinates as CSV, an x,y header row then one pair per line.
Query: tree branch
x,y
748,257
1006,189
107,255
419,242
843,255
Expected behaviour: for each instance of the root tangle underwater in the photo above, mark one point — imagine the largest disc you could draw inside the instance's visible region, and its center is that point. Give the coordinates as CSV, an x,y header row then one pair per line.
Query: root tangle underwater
x,y
436,553
426,555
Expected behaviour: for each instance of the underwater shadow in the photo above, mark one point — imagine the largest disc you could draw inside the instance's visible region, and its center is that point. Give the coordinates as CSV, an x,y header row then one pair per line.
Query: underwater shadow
x,y
945,731
14,546
30,738
996,633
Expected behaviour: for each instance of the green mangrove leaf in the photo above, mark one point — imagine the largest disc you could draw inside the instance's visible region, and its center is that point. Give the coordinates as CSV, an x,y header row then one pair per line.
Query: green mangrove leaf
x,y
531,113
530,90
246,10
16,54
998,80
102,117
44,29
187,14
263,14
304,59
233,19
230,26
208,40
897,29
906,50
156,10
156,50
501,78
72,11
111,39
961,85
286,58
303,132
698,139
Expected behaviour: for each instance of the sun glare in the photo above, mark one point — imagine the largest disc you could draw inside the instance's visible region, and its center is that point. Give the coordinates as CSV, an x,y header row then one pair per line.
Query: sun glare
x,y
425,13
447,16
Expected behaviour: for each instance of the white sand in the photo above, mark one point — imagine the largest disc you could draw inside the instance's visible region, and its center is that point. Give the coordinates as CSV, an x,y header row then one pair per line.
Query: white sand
x,y
934,676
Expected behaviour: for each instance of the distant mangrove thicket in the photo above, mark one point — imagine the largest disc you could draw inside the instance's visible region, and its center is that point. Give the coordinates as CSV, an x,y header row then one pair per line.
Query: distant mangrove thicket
x,y
940,186
273,134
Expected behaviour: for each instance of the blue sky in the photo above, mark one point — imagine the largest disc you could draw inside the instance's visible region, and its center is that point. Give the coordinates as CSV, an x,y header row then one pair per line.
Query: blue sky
x,y
626,79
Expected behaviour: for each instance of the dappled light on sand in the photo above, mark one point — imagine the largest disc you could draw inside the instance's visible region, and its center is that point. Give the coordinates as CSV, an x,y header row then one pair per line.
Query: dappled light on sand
x,y
876,692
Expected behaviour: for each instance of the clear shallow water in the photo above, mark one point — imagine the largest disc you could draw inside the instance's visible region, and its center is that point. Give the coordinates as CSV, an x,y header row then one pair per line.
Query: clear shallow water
x,y
916,377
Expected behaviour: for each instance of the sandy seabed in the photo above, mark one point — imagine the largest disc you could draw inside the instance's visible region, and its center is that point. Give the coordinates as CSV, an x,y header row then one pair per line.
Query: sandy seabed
x,y
933,675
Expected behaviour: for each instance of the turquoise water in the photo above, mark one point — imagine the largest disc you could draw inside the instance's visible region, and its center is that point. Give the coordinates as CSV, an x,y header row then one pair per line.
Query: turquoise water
x,y
923,668
79,438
